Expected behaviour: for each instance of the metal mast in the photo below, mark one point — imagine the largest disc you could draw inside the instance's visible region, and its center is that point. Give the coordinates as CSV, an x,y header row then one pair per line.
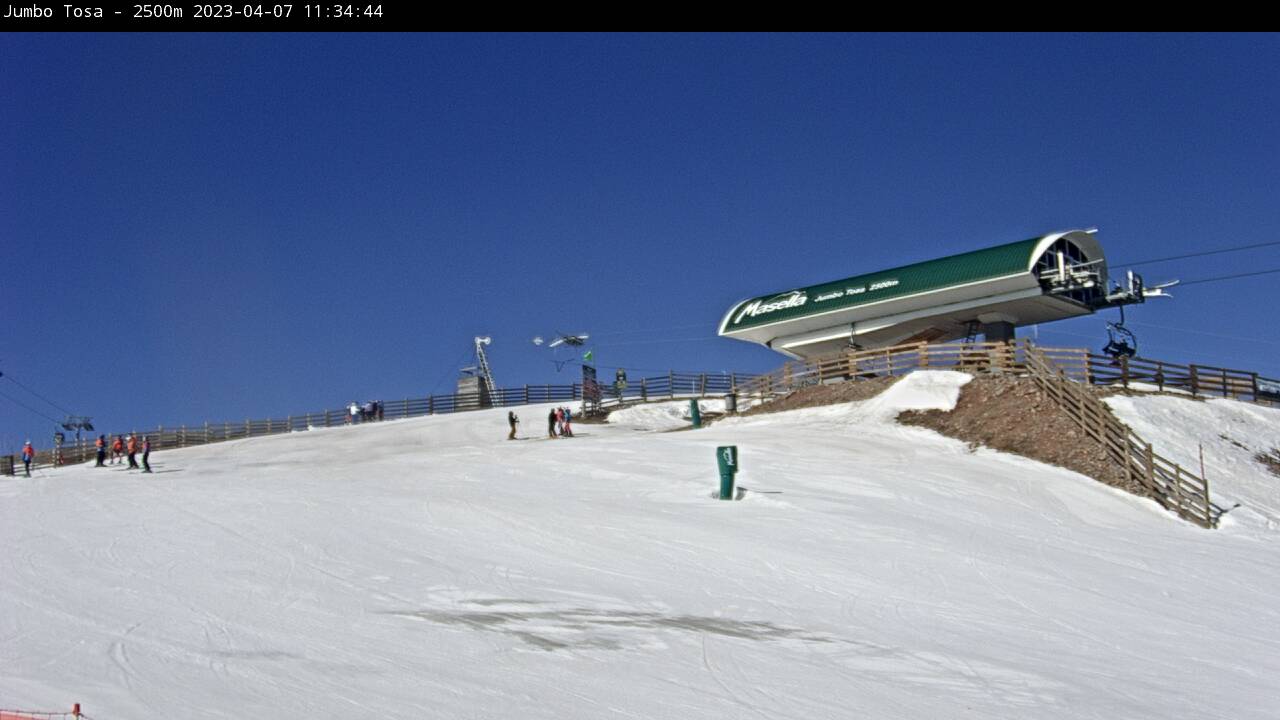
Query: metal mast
x,y
486,375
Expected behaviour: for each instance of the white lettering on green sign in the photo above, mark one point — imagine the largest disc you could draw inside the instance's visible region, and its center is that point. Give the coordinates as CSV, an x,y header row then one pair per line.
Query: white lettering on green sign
x,y
755,308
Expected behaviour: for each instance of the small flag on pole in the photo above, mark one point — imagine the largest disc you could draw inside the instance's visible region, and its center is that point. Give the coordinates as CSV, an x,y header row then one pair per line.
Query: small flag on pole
x,y
588,355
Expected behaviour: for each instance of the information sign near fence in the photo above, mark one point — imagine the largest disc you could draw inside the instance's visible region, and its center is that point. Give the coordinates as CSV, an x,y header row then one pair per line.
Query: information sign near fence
x,y
591,394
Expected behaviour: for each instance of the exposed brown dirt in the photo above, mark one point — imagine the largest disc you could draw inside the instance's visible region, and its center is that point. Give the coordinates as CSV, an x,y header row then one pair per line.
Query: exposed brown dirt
x,y
1013,415
818,395
1270,460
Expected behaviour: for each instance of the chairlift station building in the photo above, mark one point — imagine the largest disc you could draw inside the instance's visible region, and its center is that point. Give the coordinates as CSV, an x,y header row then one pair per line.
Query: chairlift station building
x,y
991,291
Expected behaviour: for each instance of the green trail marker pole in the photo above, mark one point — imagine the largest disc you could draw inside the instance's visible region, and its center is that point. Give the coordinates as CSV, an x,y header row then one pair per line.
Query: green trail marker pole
x,y
695,414
727,460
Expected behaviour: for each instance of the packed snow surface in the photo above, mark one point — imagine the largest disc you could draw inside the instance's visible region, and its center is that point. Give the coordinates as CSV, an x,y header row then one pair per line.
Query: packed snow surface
x,y
1231,434
430,568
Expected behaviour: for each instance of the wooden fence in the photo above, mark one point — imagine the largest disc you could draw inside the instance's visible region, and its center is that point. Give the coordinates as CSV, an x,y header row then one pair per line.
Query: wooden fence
x,y
671,385
865,364
1078,363
1177,489
1063,374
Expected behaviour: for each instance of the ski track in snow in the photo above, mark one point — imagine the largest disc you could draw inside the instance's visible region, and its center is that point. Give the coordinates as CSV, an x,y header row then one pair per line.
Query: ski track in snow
x,y
430,568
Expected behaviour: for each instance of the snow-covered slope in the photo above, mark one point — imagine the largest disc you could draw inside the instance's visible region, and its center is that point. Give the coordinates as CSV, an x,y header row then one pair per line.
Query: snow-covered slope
x,y
1231,433
429,568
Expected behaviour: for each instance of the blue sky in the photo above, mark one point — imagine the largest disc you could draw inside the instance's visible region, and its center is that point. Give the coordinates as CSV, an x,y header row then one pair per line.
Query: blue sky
x,y
219,226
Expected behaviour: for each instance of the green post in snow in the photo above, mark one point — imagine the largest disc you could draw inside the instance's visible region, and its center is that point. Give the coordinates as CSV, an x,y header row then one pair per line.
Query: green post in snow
x,y
695,414
727,461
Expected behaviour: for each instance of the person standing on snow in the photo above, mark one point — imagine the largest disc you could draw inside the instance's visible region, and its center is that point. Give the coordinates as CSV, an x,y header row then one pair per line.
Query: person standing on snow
x,y
353,412
512,420
132,447
146,454
117,450
568,418
28,454
101,444
551,424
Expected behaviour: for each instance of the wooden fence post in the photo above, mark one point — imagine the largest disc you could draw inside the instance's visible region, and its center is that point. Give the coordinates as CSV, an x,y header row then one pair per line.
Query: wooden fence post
x,y
644,391
1195,380
1124,371
1177,490
1128,459
1080,408
1208,504
1151,474
431,404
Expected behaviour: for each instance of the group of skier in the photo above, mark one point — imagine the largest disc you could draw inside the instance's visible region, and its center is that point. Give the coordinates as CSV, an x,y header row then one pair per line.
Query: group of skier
x,y
367,412
122,448
559,423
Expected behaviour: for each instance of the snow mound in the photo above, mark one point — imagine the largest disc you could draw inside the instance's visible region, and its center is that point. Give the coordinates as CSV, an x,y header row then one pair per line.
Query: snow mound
x,y
921,390
661,416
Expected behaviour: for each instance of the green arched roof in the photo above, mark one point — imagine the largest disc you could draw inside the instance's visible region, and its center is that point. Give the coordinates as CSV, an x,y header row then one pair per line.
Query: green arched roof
x,y
952,271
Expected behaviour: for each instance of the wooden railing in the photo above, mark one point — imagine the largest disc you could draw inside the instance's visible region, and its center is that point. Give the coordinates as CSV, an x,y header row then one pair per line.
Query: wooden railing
x,y
1177,489
672,384
1197,379
1063,373
865,364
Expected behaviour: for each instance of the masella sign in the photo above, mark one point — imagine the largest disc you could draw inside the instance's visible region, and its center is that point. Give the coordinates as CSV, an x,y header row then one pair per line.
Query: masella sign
x,y
764,306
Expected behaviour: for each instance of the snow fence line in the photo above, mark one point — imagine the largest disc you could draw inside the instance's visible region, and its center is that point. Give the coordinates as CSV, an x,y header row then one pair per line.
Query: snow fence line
x,y
74,713
671,385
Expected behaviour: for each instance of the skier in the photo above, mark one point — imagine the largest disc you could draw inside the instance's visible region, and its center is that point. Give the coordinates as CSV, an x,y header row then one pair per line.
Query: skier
x,y
568,418
117,450
146,454
353,412
101,444
132,447
28,454
512,420
551,424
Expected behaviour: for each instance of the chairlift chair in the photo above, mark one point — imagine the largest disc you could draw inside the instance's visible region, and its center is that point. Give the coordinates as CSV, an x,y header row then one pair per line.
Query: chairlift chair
x,y
1121,342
